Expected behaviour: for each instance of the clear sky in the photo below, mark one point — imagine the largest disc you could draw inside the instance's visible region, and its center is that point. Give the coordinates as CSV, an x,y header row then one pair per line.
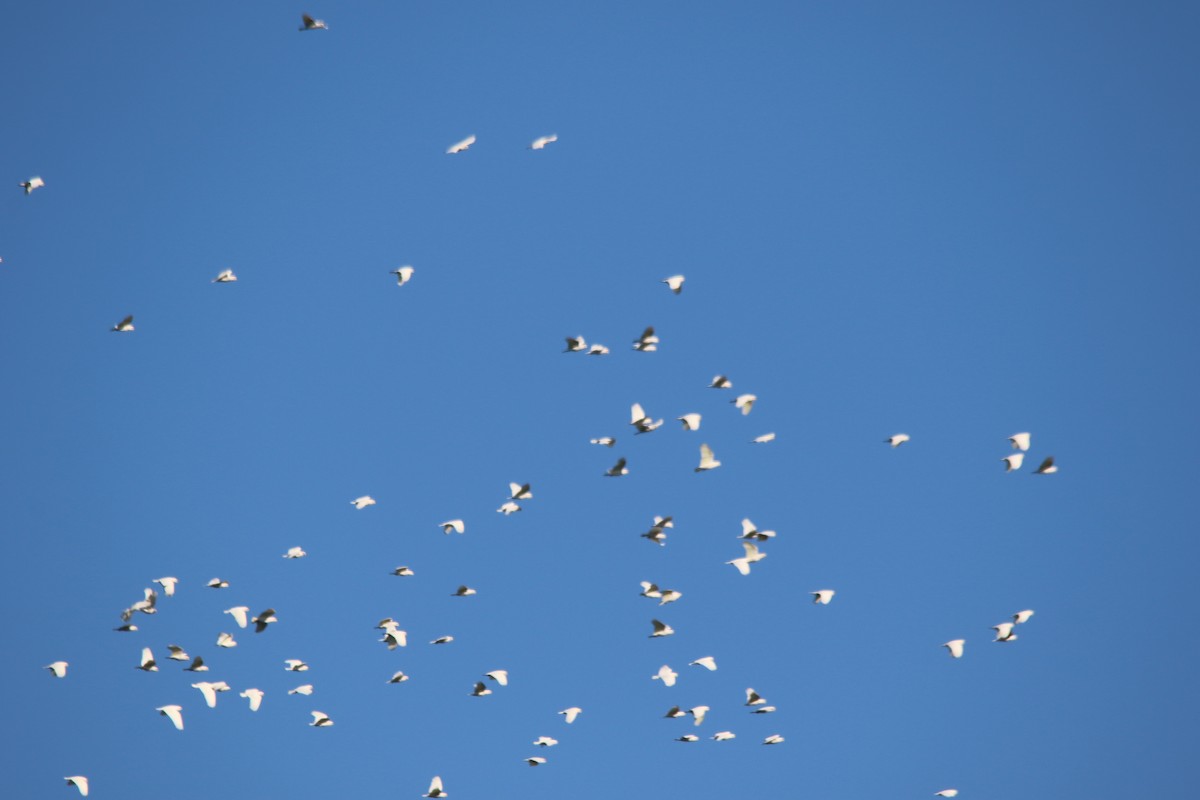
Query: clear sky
x,y
957,220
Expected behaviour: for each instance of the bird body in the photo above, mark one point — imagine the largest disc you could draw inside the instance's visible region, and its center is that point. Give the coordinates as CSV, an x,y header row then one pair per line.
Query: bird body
x,y
1020,441
403,274
647,342
666,675
520,491
226,640
541,142
443,640
239,614
723,736
1013,463
753,698
173,713
618,469
217,583
688,737
168,585
897,440
295,552
360,503
463,591
1046,467
263,620
766,437
255,697
1022,616
545,741
125,325
604,441
508,507
305,690
597,350
708,662
58,669
500,676
225,276
576,344
751,531
307,23
29,185
955,647
571,713
480,689
79,782
462,146
320,720
295,665
691,422
707,461
177,653
661,629
774,738
675,283
823,596
453,526
1004,632
147,664
698,714
197,665
435,788
209,690
398,677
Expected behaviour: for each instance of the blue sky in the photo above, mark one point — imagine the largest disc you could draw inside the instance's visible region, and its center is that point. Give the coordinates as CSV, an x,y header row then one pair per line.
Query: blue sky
x,y
956,220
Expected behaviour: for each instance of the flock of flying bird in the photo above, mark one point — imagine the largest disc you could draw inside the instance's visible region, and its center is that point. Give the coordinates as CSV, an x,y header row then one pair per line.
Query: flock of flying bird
x,y
394,637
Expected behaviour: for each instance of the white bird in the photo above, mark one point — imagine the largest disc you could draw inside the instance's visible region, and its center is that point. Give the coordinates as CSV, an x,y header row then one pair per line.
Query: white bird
x,y
320,720
403,572
1020,441
225,276
745,402
463,591
1046,467
753,554
264,619
125,325
1022,616
459,147
720,382
897,440
1013,462
597,350
535,761
79,782
398,677
675,712
661,629
295,552
362,502
647,342
58,669
946,793
650,590
639,420
708,662
666,675
197,665
217,583
766,437
173,713
541,142
295,665
508,507
774,738
145,605
310,24
955,646
576,344
209,690
403,274
178,653
763,710
443,640
520,491
435,788
707,461
698,714
753,698
453,526
29,185
168,585
664,522
751,531
545,741
823,596
618,469
604,441
723,736
255,697
688,737
674,283
394,637
669,596
239,614
226,640
147,664
656,535
305,689
500,676
126,628
571,713
691,422
480,689
1004,632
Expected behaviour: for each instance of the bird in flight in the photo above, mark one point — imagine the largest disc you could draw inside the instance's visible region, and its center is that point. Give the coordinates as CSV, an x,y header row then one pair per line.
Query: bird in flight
x,y
453,526
666,675
750,531
79,782
618,469
707,461
173,713
541,142
225,276
168,585
604,441
708,662
571,713
752,555
58,669
362,502
459,147
955,646
239,614
255,697
124,326
1013,463
1046,467
217,583
897,439
295,552
226,640
823,596
209,690
766,437
661,629
647,342
320,720
263,620
576,344
745,402
148,664
691,422
178,653
29,186
403,274
675,283
435,788
639,420
1020,441
1022,616
310,24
